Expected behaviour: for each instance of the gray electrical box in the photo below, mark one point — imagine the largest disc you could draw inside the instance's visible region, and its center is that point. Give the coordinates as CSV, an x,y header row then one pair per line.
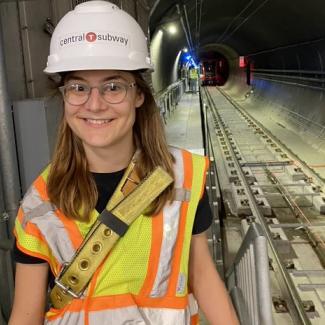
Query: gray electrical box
x,y
36,122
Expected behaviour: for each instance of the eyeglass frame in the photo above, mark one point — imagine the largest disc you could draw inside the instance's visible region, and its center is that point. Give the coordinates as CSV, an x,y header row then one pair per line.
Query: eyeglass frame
x,y
100,89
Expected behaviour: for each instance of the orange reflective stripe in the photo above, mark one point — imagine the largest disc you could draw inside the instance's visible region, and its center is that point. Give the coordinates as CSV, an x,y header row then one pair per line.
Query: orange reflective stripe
x,y
72,229
52,261
195,319
20,215
118,301
42,257
31,253
187,161
207,163
91,289
40,185
33,230
156,240
188,169
165,302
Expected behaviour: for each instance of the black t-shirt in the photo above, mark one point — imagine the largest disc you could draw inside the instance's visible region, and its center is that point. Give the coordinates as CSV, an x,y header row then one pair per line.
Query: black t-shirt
x,y
106,184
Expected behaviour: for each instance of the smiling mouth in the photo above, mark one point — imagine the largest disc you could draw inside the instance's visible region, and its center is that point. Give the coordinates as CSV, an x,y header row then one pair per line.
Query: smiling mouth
x,y
97,122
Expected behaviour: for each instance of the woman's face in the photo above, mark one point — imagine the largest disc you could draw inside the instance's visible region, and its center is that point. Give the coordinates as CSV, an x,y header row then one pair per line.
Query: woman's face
x,y
99,124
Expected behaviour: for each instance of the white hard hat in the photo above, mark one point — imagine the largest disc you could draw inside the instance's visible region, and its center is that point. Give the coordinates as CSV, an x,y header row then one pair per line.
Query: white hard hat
x,y
97,35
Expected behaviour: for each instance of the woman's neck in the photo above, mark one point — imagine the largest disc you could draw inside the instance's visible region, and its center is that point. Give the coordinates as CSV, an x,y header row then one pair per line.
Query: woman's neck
x,y
103,160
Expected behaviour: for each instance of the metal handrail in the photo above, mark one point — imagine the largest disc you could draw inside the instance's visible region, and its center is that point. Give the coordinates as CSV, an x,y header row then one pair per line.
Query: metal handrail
x,y
170,97
248,279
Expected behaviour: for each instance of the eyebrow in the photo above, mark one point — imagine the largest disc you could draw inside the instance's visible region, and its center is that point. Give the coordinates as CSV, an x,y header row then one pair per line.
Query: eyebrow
x,y
78,78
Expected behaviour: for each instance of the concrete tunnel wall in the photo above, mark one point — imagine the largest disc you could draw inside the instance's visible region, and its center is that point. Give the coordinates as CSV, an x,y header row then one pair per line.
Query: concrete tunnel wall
x,y
287,83
294,100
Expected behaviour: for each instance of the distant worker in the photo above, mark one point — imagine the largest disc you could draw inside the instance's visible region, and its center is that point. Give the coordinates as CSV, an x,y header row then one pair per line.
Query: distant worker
x,y
194,76
114,226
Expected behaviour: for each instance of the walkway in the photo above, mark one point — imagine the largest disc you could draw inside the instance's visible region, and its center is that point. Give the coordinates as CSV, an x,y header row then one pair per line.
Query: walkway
x,y
183,130
183,127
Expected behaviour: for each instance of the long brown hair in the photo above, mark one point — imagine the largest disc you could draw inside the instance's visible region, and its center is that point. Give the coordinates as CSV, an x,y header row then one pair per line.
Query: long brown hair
x,y
70,184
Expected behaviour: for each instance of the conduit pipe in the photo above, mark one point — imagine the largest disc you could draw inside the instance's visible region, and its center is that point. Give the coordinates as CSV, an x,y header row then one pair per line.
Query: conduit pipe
x,y
188,26
184,28
8,156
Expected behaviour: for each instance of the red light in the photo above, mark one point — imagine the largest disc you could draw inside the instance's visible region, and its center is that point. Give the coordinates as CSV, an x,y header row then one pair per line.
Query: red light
x,y
242,62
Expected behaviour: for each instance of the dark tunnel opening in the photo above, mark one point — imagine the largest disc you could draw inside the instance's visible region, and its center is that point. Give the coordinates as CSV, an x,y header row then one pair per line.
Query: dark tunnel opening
x,y
214,69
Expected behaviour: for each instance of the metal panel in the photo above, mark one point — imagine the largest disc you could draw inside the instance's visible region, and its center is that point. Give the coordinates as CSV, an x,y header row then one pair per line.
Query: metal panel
x,y
33,15
36,124
59,9
6,280
129,7
77,2
14,63
142,15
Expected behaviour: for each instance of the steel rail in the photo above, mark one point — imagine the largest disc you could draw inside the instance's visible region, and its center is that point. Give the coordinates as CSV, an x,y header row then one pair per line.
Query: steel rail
x,y
300,214
297,311
305,167
285,194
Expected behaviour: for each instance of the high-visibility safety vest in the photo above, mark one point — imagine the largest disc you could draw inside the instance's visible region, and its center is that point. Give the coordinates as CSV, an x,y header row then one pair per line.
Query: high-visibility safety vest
x,y
193,74
144,279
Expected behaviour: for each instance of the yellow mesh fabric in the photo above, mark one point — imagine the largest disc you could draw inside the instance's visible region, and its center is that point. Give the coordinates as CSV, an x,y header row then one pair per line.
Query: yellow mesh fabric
x,y
126,267
33,245
84,227
45,173
197,180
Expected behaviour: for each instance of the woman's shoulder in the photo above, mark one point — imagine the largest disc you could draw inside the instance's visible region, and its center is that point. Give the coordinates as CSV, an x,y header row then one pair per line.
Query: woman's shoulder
x,y
38,185
36,198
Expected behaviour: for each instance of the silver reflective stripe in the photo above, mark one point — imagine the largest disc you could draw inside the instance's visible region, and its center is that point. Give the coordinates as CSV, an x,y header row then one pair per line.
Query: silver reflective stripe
x,y
171,216
141,316
30,201
170,230
56,235
128,316
181,284
41,209
41,214
181,194
193,306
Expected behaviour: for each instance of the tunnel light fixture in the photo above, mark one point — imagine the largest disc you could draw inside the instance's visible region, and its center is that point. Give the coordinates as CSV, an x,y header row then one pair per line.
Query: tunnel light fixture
x,y
191,61
172,29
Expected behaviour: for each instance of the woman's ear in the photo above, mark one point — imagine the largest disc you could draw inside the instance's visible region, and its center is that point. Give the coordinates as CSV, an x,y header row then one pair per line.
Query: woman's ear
x,y
139,99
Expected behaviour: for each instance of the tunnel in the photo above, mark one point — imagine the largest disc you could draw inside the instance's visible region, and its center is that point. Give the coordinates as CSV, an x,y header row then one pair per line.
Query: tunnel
x,y
255,109
275,63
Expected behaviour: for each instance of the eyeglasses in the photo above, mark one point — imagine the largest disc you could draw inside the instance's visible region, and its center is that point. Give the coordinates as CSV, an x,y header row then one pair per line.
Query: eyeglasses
x,y
113,92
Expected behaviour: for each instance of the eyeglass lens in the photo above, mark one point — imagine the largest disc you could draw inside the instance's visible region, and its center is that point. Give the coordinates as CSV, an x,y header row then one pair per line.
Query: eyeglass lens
x,y
78,94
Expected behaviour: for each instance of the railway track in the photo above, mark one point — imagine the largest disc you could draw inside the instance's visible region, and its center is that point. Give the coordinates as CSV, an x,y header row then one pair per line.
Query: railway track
x,y
261,180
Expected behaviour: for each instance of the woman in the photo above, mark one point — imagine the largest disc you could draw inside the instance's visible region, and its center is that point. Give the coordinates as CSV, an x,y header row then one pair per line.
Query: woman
x,y
109,140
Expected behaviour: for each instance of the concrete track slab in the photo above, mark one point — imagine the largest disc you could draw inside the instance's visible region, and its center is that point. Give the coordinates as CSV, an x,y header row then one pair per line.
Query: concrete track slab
x,y
299,144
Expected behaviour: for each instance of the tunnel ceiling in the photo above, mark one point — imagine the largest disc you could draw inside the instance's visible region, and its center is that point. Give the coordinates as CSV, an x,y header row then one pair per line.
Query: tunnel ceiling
x,y
246,26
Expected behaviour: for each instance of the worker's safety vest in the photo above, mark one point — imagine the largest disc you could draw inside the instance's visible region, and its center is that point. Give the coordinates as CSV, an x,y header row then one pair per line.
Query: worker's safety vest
x,y
193,74
144,279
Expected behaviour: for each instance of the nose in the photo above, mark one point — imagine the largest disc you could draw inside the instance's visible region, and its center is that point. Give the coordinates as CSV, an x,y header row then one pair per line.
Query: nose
x,y
95,102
